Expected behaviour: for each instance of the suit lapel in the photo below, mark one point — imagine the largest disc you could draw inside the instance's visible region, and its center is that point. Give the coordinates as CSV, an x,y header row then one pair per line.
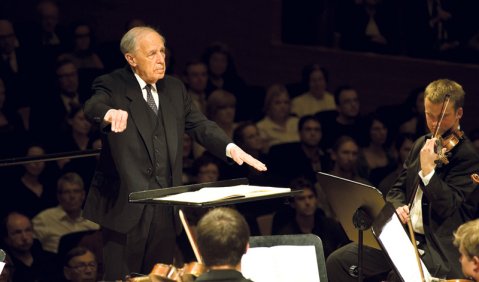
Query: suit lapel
x,y
139,114
169,120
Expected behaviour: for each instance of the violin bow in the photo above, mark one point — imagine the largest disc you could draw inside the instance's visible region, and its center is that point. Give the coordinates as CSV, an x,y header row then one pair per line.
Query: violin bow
x,y
191,238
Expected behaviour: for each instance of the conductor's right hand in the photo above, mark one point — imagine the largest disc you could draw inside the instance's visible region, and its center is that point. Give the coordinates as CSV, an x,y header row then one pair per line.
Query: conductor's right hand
x,y
117,119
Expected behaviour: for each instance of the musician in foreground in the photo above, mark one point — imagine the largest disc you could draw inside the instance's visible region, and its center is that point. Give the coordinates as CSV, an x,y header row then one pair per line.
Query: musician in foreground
x,y
223,236
466,239
437,196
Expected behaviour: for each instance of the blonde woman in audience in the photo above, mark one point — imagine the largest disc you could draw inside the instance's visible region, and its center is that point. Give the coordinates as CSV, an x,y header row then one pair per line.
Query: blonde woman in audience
x,y
317,98
278,126
220,108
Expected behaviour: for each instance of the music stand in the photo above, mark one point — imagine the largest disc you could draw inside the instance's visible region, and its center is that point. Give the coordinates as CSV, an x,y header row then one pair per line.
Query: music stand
x,y
295,240
394,241
355,205
153,196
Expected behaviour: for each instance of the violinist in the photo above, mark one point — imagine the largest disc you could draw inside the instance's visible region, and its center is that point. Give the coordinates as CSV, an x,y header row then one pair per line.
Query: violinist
x,y
222,237
440,194
466,239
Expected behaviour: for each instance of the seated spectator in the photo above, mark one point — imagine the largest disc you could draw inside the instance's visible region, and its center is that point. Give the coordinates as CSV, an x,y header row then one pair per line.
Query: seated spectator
x,y
304,158
81,47
307,218
466,239
50,225
33,191
30,261
375,158
344,156
222,237
220,108
80,265
345,120
246,135
403,146
316,99
196,77
278,126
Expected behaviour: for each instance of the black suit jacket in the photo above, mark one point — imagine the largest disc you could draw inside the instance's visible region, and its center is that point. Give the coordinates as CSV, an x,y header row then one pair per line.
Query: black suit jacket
x,y
127,159
449,199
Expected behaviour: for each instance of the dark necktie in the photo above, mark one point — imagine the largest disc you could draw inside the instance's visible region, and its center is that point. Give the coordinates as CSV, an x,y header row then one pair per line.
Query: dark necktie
x,y
150,100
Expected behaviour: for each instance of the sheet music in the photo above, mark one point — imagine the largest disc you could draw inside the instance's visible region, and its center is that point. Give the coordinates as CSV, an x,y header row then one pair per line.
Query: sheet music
x,y
266,264
210,194
401,251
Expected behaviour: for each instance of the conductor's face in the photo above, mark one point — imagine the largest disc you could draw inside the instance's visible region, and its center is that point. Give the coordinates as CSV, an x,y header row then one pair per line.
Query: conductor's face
x,y
148,58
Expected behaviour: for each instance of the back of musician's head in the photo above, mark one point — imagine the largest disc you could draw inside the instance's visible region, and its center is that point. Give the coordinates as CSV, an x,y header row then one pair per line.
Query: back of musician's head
x,y
437,90
222,236
466,238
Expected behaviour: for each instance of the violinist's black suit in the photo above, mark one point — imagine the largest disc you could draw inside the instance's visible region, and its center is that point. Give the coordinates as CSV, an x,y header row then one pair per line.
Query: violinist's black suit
x,y
147,155
449,200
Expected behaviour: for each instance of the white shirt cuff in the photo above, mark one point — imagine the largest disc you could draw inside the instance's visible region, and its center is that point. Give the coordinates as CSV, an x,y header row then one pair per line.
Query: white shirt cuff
x,y
427,178
228,149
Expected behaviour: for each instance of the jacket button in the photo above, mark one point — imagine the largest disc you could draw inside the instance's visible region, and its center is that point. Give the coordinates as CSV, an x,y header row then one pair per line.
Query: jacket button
x,y
149,171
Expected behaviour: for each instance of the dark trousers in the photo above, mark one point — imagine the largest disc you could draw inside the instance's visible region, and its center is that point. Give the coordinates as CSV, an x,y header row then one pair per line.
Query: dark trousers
x,y
151,241
340,263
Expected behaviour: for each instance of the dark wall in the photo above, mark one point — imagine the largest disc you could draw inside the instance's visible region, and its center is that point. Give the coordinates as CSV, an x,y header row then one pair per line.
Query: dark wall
x,y
253,30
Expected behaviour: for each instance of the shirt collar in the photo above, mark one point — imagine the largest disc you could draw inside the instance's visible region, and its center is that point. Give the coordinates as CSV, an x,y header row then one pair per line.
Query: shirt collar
x,y
142,82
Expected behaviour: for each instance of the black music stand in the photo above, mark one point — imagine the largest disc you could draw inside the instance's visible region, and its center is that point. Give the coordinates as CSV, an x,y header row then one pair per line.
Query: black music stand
x,y
355,205
153,196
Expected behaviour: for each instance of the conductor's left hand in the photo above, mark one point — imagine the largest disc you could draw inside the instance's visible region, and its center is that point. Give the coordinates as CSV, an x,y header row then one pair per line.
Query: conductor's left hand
x,y
240,157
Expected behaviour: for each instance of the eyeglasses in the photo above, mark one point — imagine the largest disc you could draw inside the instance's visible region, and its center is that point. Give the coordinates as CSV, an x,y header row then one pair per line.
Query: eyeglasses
x,y
83,266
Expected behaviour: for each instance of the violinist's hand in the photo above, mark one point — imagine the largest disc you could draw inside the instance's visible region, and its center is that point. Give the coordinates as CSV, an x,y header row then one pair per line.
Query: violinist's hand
x,y
428,156
240,157
403,213
117,119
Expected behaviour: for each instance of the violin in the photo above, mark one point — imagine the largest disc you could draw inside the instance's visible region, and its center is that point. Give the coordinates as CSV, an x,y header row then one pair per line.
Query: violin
x,y
169,273
451,138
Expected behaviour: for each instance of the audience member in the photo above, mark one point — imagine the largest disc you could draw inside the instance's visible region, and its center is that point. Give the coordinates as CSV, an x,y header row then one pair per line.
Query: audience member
x,y
222,70
304,158
50,225
412,114
196,77
344,156
466,239
78,138
317,98
50,111
80,49
278,126
80,265
375,158
307,218
223,237
188,159
220,108
30,261
246,135
345,120
33,190
403,146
